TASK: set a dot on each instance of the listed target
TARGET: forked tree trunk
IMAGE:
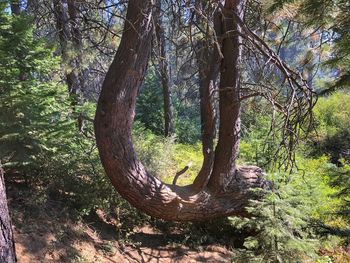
(113, 124)
(227, 149)
(208, 60)
(7, 245)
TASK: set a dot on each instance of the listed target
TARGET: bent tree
(224, 188)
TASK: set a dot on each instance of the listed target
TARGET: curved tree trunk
(113, 124)
(7, 245)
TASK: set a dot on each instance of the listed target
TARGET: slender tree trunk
(7, 245)
(64, 34)
(78, 72)
(77, 40)
(164, 75)
(113, 128)
(227, 149)
(67, 23)
(15, 7)
(61, 25)
(208, 60)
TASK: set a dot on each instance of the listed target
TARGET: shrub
(281, 222)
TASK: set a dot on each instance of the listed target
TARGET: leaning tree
(221, 187)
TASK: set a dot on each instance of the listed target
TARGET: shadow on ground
(45, 231)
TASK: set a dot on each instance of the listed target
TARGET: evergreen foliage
(149, 108)
(282, 222)
(150, 111)
(38, 129)
(29, 90)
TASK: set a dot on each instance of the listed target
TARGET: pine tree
(28, 89)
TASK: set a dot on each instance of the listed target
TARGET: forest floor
(43, 233)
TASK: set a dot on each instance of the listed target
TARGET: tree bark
(208, 60)
(164, 75)
(64, 35)
(70, 37)
(61, 25)
(15, 7)
(77, 40)
(31, 6)
(113, 126)
(7, 245)
(77, 75)
(227, 149)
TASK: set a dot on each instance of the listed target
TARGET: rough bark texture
(164, 75)
(208, 60)
(113, 124)
(7, 245)
(227, 149)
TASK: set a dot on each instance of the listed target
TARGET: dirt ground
(42, 234)
(88, 246)
(44, 231)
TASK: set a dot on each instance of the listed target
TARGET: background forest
(54, 56)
